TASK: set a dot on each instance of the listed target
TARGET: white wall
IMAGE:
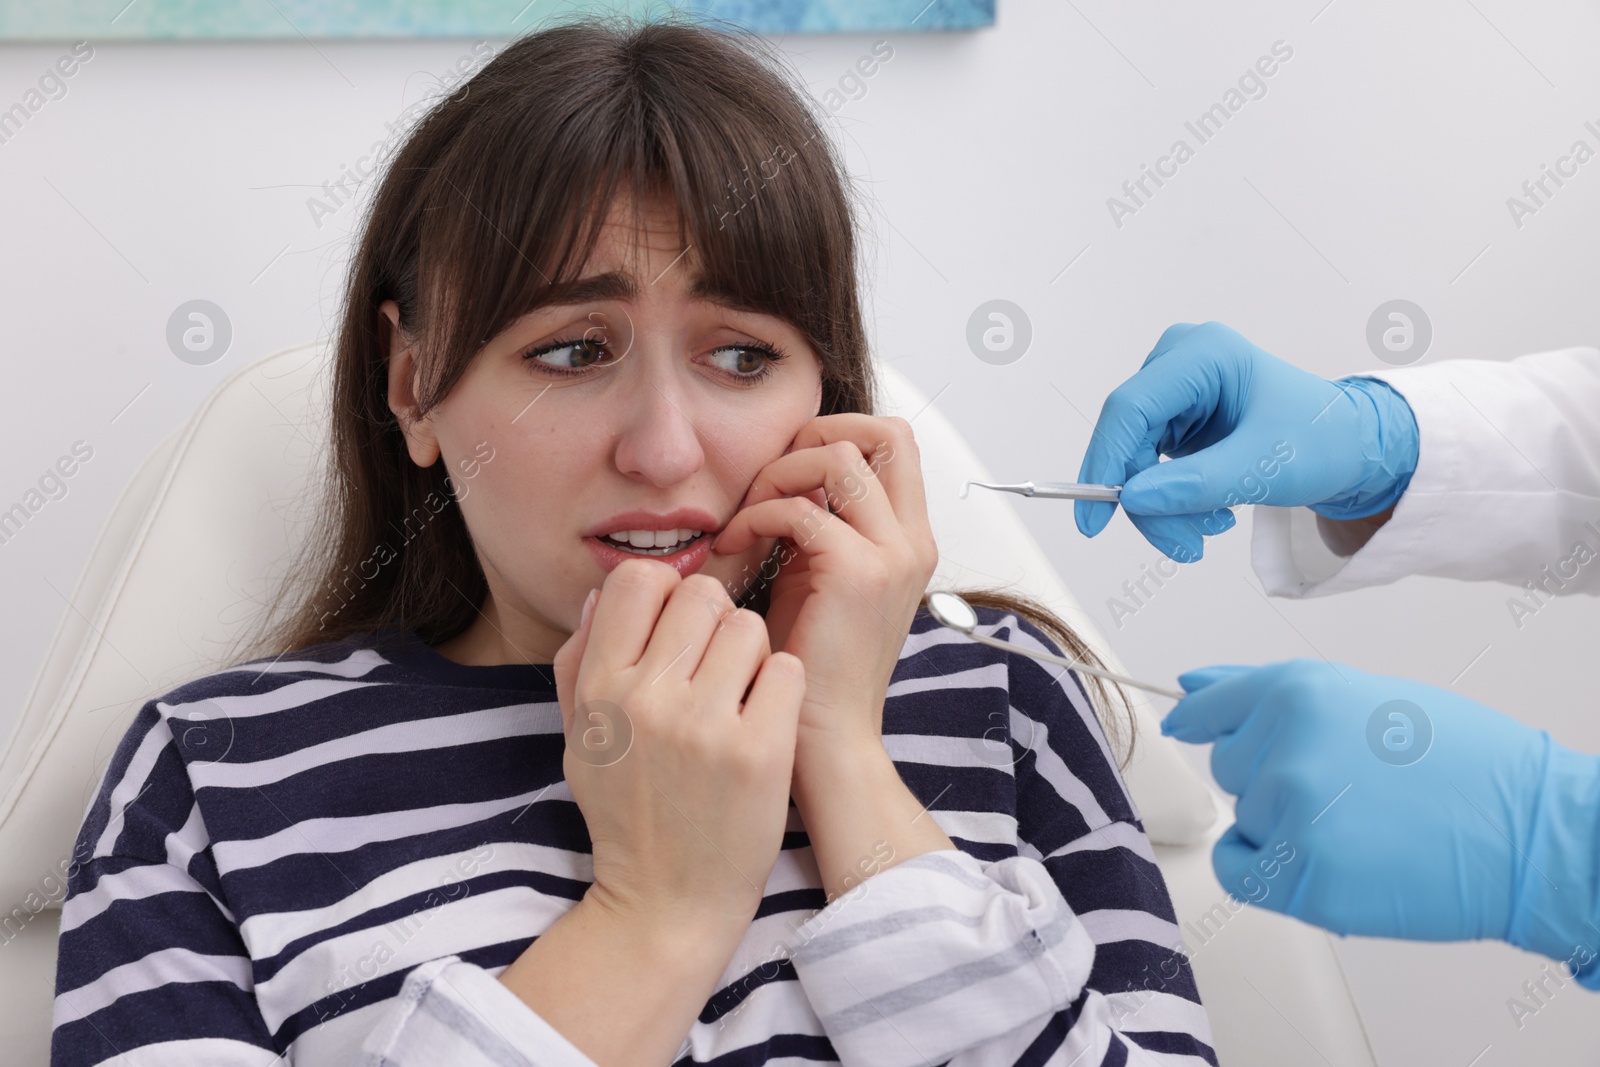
(1389, 144)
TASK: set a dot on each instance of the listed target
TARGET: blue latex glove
(1451, 822)
(1245, 427)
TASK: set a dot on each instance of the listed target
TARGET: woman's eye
(570, 355)
(745, 361)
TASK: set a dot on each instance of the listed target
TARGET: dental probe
(952, 611)
(1058, 490)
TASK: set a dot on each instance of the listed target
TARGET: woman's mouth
(652, 542)
(686, 550)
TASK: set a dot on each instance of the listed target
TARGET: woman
(602, 337)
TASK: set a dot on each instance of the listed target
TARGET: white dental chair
(215, 511)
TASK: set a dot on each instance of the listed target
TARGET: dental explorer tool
(1057, 490)
(952, 611)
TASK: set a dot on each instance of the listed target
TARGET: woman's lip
(676, 519)
(686, 560)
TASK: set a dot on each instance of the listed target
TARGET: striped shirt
(326, 860)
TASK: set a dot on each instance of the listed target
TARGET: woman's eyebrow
(612, 285)
(717, 293)
(621, 286)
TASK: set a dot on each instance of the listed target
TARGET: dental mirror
(952, 611)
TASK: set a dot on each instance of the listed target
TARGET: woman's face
(637, 403)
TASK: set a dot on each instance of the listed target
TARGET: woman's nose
(660, 438)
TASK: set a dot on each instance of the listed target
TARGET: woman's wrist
(624, 985)
(826, 766)
(859, 814)
(668, 930)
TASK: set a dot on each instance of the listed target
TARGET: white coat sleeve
(1507, 485)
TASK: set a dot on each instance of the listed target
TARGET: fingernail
(588, 607)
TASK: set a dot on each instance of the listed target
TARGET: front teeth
(652, 539)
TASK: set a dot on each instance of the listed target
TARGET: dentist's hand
(1245, 427)
(1403, 810)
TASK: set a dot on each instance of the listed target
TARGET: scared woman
(634, 744)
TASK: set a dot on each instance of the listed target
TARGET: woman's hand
(847, 589)
(684, 787)
(849, 583)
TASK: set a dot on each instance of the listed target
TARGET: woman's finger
(773, 711)
(738, 647)
(842, 473)
(810, 527)
(684, 628)
(890, 450)
(631, 599)
(569, 656)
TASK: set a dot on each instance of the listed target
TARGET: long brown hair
(495, 199)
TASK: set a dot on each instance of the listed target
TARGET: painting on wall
(96, 20)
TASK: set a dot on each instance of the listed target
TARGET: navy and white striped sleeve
(1059, 952)
(943, 957)
(152, 970)
(1076, 816)
(450, 1011)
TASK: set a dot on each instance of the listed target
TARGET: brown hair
(493, 203)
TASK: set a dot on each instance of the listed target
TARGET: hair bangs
(515, 205)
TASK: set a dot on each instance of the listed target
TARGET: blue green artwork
(95, 20)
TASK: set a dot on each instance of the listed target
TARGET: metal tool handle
(1080, 667)
(1057, 490)
(1078, 491)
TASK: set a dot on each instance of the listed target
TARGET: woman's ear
(403, 379)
